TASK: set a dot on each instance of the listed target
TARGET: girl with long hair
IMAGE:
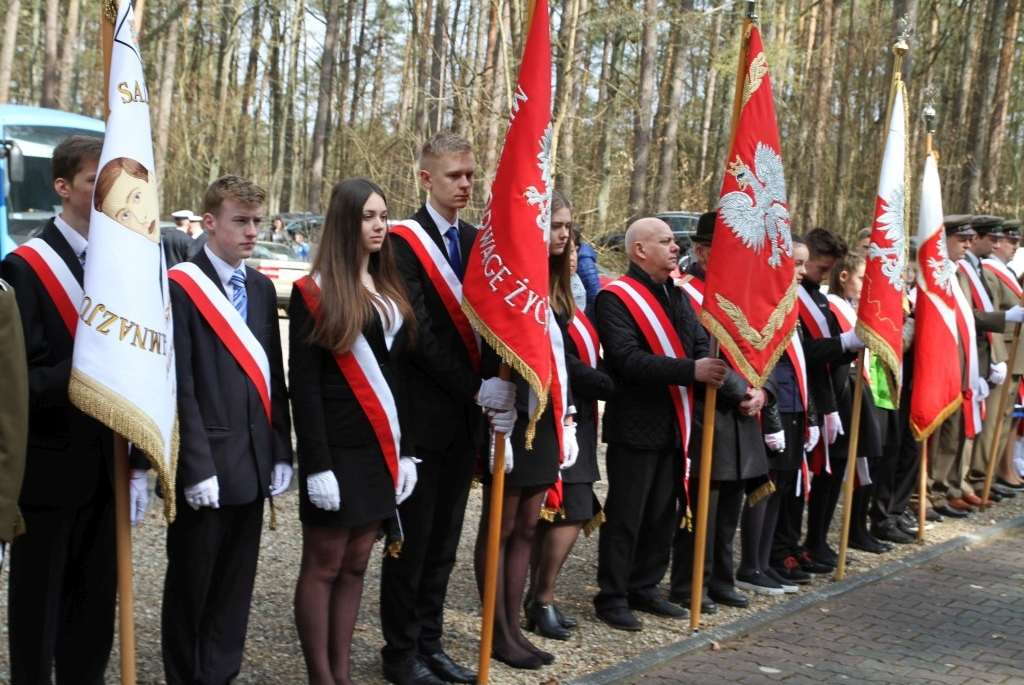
(350, 323)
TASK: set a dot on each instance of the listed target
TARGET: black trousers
(725, 502)
(413, 586)
(790, 516)
(211, 569)
(897, 475)
(633, 550)
(62, 591)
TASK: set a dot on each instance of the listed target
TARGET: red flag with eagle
(505, 288)
(937, 382)
(750, 291)
(880, 309)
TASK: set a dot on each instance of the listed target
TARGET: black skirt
(367, 489)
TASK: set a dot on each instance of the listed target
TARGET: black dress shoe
(527, 663)
(1002, 491)
(620, 617)
(1010, 486)
(545, 657)
(730, 598)
(444, 668)
(410, 671)
(566, 622)
(892, 533)
(811, 565)
(657, 606)
(706, 605)
(543, 620)
(950, 512)
(870, 545)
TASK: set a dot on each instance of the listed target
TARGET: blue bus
(27, 138)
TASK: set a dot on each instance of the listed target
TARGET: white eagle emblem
(942, 268)
(763, 217)
(892, 219)
(534, 196)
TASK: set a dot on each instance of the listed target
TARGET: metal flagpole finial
(904, 27)
(751, 12)
(931, 94)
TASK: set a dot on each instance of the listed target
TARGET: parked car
(683, 225)
(282, 266)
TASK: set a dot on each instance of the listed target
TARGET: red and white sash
(795, 352)
(974, 408)
(227, 325)
(55, 275)
(1003, 273)
(445, 281)
(584, 336)
(362, 373)
(847, 318)
(554, 499)
(979, 296)
(694, 289)
(661, 337)
(812, 316)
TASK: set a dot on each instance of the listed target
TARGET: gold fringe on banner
(763, 490)
(127, 420)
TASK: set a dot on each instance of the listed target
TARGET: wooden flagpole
(122, 514)
(711, 393)
(1004, 393)
(922, 465)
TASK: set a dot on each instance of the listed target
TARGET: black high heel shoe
(542, 619)
(528, 663)
(566, 622)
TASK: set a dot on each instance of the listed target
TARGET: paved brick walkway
(952, 619)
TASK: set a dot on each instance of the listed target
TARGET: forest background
(298, 94)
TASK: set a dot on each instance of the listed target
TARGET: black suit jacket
(327, 412)
(222, 424)
(176, 245)
(438, 373)
(69, 454)
(827, 362)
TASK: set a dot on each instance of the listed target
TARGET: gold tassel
(273, 515)
(763, 491)
(687, 522)
(394, 549)
(548, 514)
(594, 523)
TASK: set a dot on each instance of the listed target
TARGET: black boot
(543, 620)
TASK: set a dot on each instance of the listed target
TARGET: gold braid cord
(514, 361)
(126, 419)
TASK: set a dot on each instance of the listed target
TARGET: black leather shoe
(543, 620)
(410, 671)
(892, 533)
(870, 545)
(528, 663)
(621, 618)
(1002, 491)
(444, 668)
(706, 605)
(950, 512)
(1010, 486)
(811, 565)
(730, 598)
(657, 606)
(566, 622)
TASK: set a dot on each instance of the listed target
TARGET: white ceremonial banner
(123, 367)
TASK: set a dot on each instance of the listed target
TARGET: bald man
(644, 422)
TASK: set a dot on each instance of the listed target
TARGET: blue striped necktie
(239, 298)
(453, 250)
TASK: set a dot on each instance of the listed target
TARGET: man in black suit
(447, 426)
(643, 426)
(235, 439)
(176, 241)
(63, 574)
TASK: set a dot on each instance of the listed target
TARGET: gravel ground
(273, 654)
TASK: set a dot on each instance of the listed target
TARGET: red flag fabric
(750, 291)
(937, 383)
(505, 287)
(880, 309)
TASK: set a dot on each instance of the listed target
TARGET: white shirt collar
(439, 221)
(223, 269)
(75, 239)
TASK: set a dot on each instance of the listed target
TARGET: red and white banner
(880, 308)
(752, 317)
(937, 386)
(123, 366)
(505, 287)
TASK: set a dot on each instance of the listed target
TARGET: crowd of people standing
(396, 408)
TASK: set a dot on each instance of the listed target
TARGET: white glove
(833, 427)
(1015, 314)
(204, 494)
(997, 373)
(503, 421)
(497, 394)
(981, 390)
(407, 478)
(570, 448)
(776, 441)
(138, 495)
(851, 343)
(508, 454)
(813, 436)
(281, 478)
(323, 489)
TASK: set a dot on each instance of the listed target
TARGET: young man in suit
(443, 374)
(63, 574)
(235, 439)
